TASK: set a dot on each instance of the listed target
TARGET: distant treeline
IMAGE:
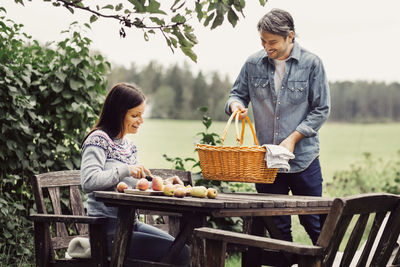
(175, 92)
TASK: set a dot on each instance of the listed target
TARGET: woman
(108, 157)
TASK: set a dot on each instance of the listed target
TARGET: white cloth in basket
(78, 247)
(278, 157)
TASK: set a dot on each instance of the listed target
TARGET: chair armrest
(67, 218)
(257, 241)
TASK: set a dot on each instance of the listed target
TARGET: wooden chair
(361, 207)
(51, 233)
(167, 221)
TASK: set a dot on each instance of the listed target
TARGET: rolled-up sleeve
(319, 100)
(93, 175)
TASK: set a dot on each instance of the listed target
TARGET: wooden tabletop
(225, 205)
(194, 211)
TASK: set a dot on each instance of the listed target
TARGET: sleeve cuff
(306, 130)
(123, 171)
(229, 102)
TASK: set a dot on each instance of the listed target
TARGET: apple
(157, 183)
(142, 184)
(121, 186)
(212, 192)
(198, 191)
(180, 192)
(169, 190)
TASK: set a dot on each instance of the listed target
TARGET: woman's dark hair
(277, 21)
(119, 100)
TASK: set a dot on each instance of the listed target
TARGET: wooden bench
(343, 210)
(50, 223)
(51, 233)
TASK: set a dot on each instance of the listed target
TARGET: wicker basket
(236, 163)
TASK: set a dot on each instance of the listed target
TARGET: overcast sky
(356, 39)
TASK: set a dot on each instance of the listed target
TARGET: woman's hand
(138, 171)
(173, 180)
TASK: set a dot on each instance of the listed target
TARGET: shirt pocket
(260, 87)
(297, 91)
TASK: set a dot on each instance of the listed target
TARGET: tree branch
(122, 19)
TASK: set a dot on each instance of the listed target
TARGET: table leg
(252, 257)
(188, 224)
(126, 218)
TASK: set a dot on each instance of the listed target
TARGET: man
(289, 92)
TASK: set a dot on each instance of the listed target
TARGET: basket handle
(235, 115)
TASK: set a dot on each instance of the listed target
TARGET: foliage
(362, 101)
(49, 98)
(368, 175)
(171, 19)
(175, 92)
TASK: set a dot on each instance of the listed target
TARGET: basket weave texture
(235, 163)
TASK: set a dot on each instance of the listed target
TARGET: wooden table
(194, 212)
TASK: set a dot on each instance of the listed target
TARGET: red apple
(121, 186)
(142, 184)
(157, 184)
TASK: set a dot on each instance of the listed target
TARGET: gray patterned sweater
(105, 163)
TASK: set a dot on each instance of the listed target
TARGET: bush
(49, 98)
(366, 176)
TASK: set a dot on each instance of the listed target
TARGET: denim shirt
(302, 103)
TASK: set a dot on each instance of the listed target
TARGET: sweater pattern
(117, 149)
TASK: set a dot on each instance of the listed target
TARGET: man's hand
(238, 106)
(290, 142)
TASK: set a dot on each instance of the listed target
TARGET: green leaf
(218, 20)
(199, 11)
(154, 7)
(68, 164)
(208, 19)
(262, 2)
(139, 7)
(93, 18)
(232, 17)
(119, 7)
(19, 206)
(61, 148)
(178, 18)
(74, 84)
(76, 61)
(6, 234)
(57, 87)
(158, 21)
(61, 76)
(108, 7)
(189, 52)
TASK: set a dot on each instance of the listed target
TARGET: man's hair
(277, 21)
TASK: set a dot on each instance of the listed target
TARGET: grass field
(341, 144)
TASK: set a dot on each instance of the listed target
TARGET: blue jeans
(307, 183)
(148, 243)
